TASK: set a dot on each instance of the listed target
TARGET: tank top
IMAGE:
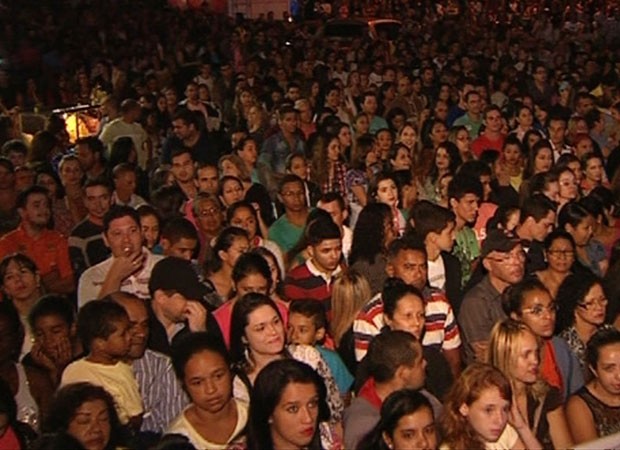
(606, 418)
(27, 408)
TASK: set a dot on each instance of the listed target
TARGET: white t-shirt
(437, 273)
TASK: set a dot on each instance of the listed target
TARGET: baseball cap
(499, 241)
(176, 274)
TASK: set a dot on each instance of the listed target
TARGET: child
(52, 321)
(307, 325)
(103, 329)
(435, 226)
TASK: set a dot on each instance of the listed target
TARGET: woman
(525, 122)
(256, 124)
(593, 171)
(258, 338)
(350, 293)
(579, 223)
(231, 243)
(406, 423)
(408, 135)
(70, 172)
(214, 420)
(446, 161)
(150, 224)
(594, 411)
(384, 140)
(511, 161)
(86, 413)
(209, 219)
(459, 136)
(531, 303)
(540, 159)
(61, 218)
(364, 166)
(385, 190)
(287, 406)
(560, 255)
(478, 410)
(244, 100)
(275, 292)
(328, 168)
(514, 350)
(230, 190)
(369, 256)
(21, 284)
(403, 309)
(250, 274)
(243, 215)
(581, 313)
(568, 187)
(400, 157)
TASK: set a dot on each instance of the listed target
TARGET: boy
(435, 226)
(103, 329)
(52, 321)
(307, 325)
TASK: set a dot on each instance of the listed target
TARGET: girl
(514, 349)
(477, 411)
(512, 161)
(594, 411)
(328, 168)
(593, 171)
(539, 160)
(150, 223)
(406, 423)
(214, 419)
(446, 161)
(400, 157)
(385, 190)
(568, 187)
(459, 136)
(408, 136)
(229, 245)
(287, 406)
(364, 166)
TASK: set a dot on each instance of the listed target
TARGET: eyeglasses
(519, 256)
(539, 310)
(600, 301)
(562, 253)
(208, 212)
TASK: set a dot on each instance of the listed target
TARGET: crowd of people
(266, 239)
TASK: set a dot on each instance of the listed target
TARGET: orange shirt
(49, 251)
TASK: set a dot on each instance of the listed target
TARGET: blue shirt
(341, 374)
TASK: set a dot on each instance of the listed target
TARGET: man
(125, 182)
(129, 268)
(179, 238)
(47, 248)
(314, 278)
(207, 178)
(211, 115)
(407, 261)
(394, 362)
(183, 171)
(187, 133)
(160, 390)
(403, 99)
(333, 203)
(472, 119)
(464, 194)
(492, 138)
(285, 142)
(557, 137)
(289, 227)
(369, 107)
(504, 260)
(536, 221)
(539, 88)
(307, 126)
(333, 101)
(86, 245)
(176, 304)
(89, 151)
(127, 125)
(463, 86)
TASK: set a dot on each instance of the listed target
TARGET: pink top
(223, 316)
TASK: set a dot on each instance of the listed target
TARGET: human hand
(128, 264)
(41, 358)
(515, 418)
(480, 350)
(196, 316)
(63, 353)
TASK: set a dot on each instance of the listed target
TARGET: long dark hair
(571, 293)
(396, 406)
(267, 393)
(369, 233)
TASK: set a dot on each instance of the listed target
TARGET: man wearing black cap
(177, 304)
(503, 258)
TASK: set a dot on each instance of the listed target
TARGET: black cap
(177, 274)
(499, 241)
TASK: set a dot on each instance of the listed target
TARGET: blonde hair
(475, 379)
(350, 293)
(504, 348)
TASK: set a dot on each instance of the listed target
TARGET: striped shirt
(441, 329)
(162, 395)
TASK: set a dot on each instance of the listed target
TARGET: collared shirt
(93, 278)
(49, 250)
(162, 395)
(307, 281)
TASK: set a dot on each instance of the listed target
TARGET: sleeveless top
(27, 408)
(606, 418)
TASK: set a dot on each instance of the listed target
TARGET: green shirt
(466, 250)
